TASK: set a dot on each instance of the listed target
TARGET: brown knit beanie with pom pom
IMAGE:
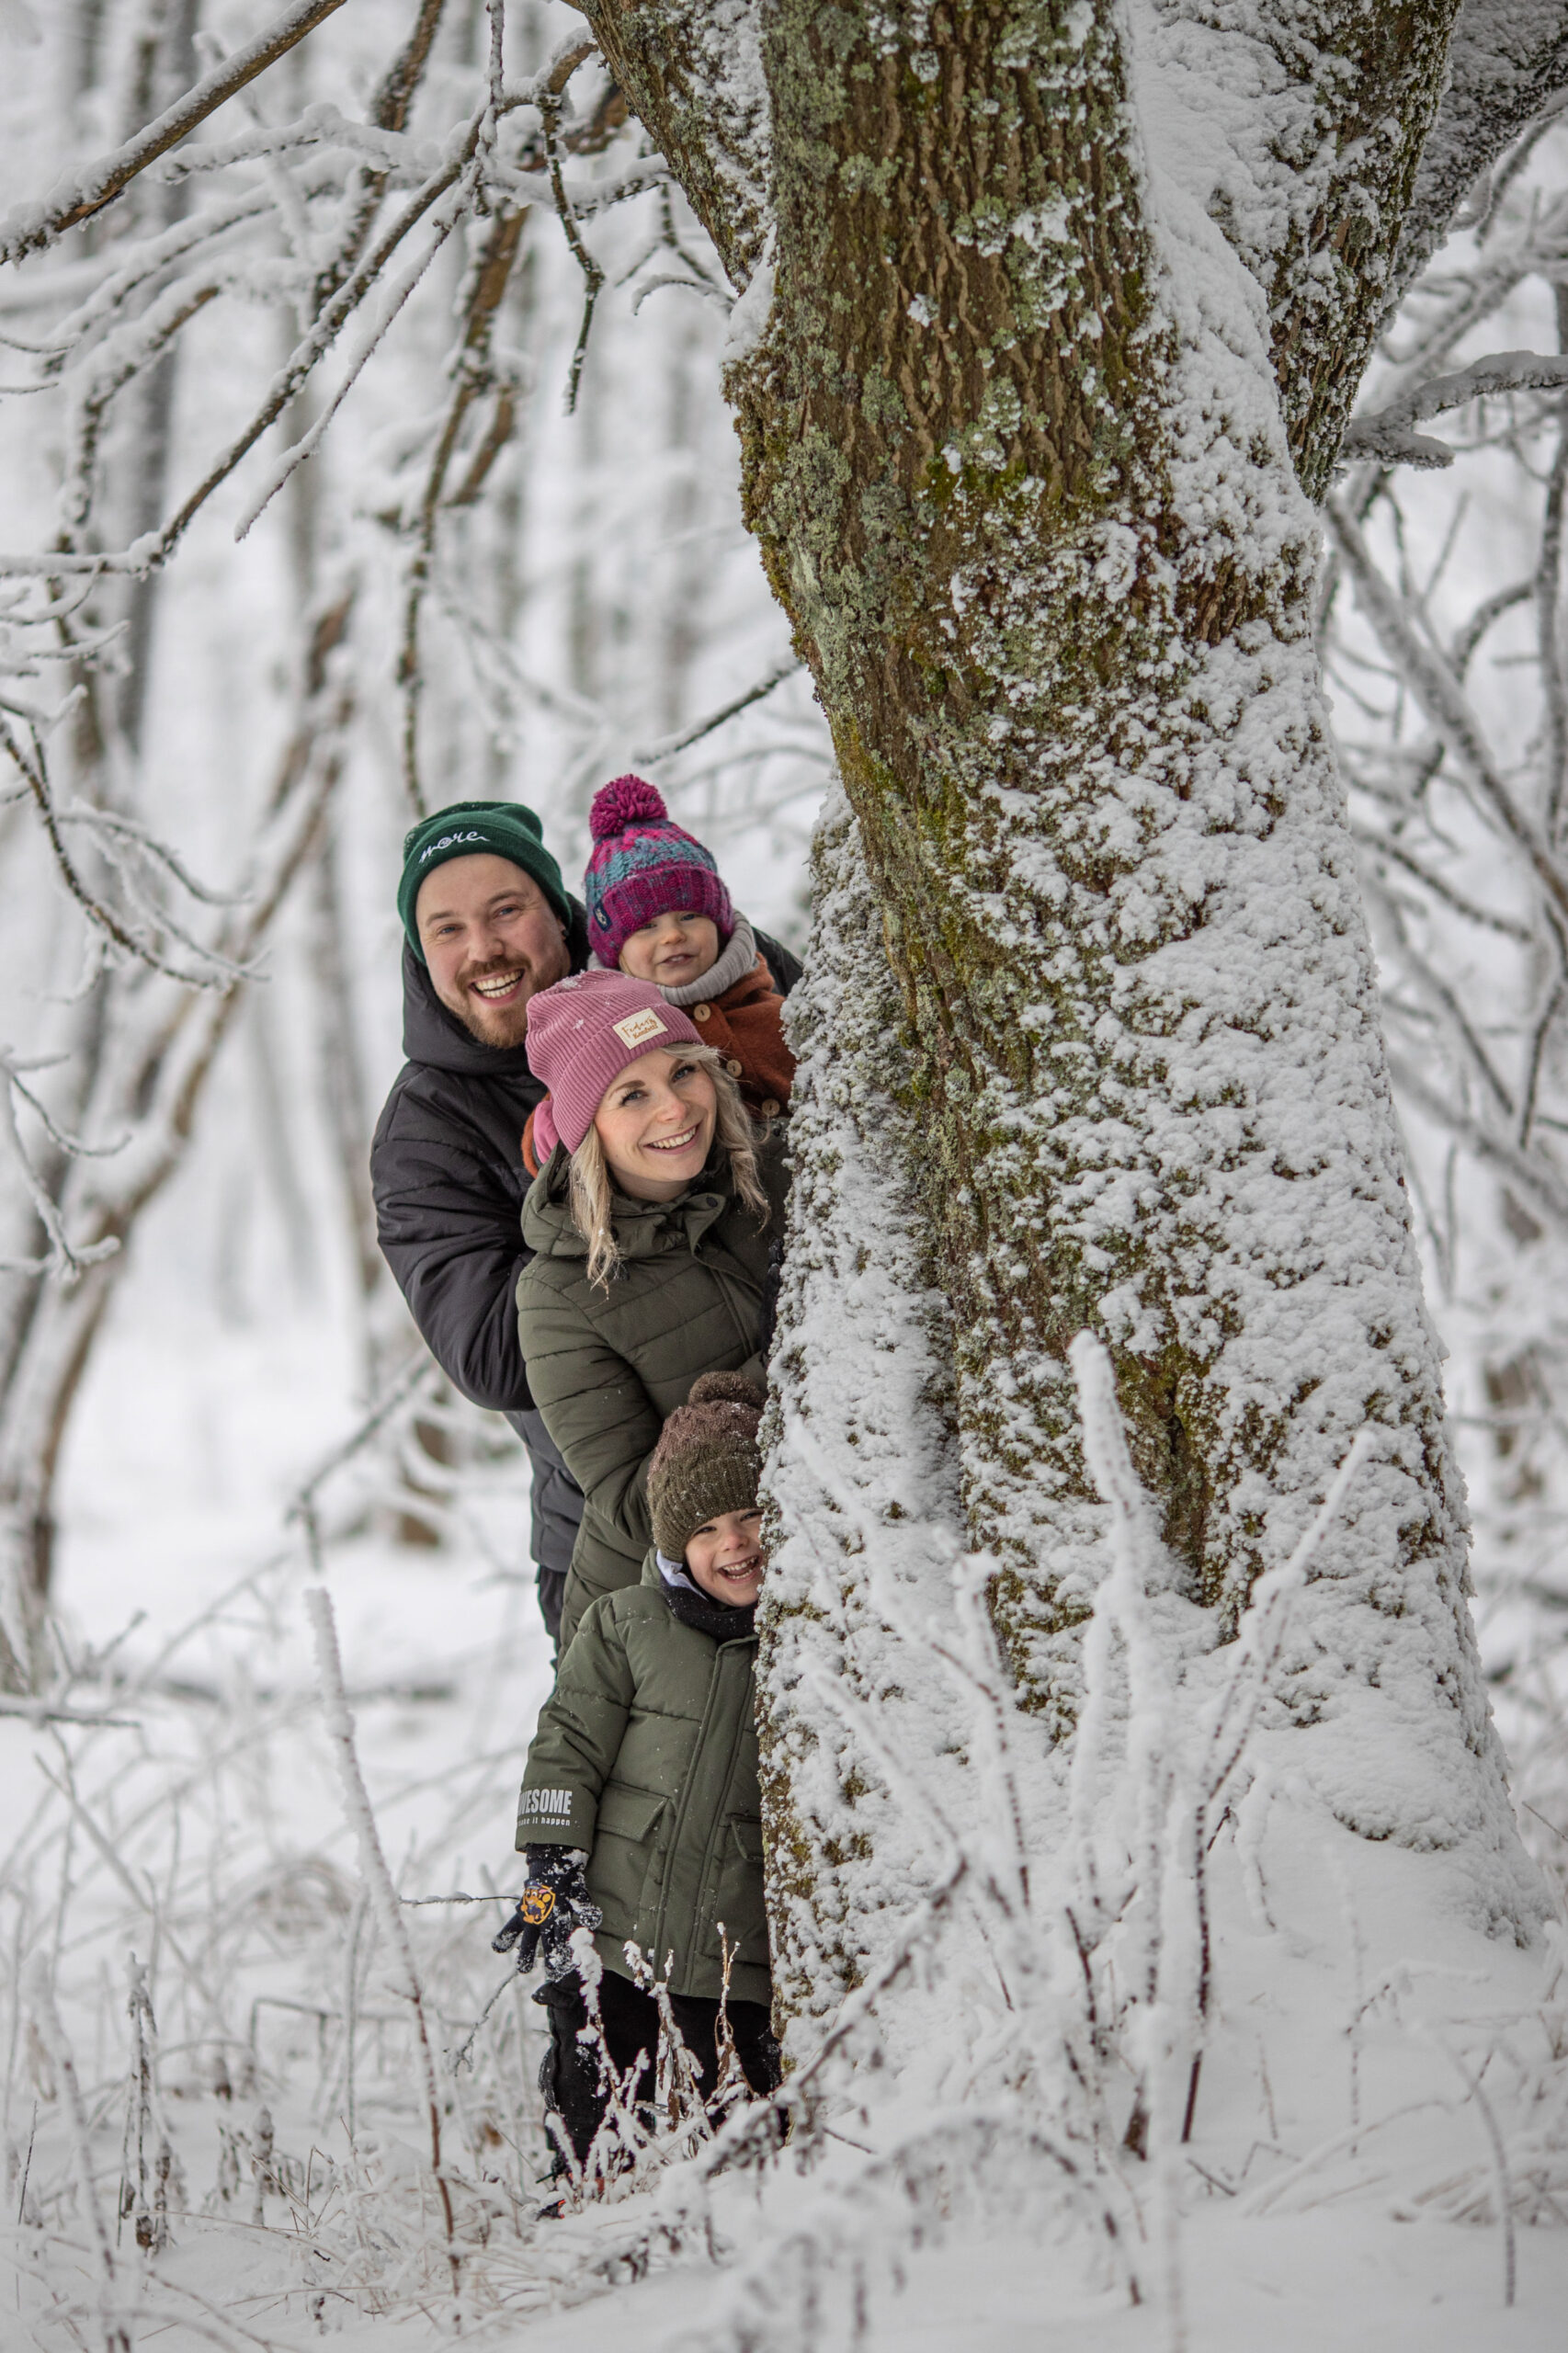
(707, 1461)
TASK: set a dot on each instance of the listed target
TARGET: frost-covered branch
(648, 755)
(63, 1260)
(128, 929)
(1445, 702)
(1385, 434)
(46, 2019)
(29, 228)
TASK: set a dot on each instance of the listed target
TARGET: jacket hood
(642, 1228)
(436, 1038)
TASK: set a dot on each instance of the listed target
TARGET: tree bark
(866, 1520)
(1507, 61)
(1058, 334)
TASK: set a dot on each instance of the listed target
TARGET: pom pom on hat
(627, 800)
(644, 865)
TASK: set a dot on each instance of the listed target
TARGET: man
(487, 923)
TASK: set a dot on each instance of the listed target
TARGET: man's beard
(498, 1025)
(504, 1025)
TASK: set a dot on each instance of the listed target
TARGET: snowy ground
(220, 1858)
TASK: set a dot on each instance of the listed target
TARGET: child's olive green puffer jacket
(646, 1755)
(606, 1365)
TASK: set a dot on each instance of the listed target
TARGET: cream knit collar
(733, 965)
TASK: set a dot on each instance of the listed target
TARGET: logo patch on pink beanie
(639, 1025)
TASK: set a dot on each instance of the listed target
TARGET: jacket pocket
(624, 1867)
(737, 1892)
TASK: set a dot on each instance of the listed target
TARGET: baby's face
(724, 1556)
(672, 950)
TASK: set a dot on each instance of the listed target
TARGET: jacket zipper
(681, 1811)
(726, 1292)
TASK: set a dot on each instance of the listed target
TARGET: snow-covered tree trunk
(1050, 347)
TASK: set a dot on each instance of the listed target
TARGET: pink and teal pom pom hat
(644, 865)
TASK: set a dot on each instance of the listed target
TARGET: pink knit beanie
(581, 1034)
(644, 865)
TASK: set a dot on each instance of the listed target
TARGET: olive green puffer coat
(606, 1365)
(646, 1755)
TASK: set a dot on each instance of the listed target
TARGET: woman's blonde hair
(590, 1188)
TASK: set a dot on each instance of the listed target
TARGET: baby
(658, 911)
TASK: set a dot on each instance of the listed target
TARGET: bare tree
(335, 221)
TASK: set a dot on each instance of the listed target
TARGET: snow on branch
(29, 228)
(1432, 683)
(66, 1260)
(1386, 435)
(463, 176)
(1507, 63)
(322, 125)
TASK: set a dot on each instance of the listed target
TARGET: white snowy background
(601, 603)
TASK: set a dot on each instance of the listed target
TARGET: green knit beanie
(707, 1461)
(470, 829)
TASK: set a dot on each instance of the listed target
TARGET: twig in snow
(1503, 2188)
(419, 1369)
(461, 2057)
(52, 2035)
(414, 1902)
(379, 1884)
(1259, 2200)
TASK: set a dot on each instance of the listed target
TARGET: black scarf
(720, 1619)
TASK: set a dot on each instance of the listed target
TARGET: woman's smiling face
(656, 1123)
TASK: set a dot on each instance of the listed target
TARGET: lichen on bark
(690, 71)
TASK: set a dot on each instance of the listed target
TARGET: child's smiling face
(672, 950)
(724, 1556)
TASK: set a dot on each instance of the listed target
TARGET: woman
(652, 1222)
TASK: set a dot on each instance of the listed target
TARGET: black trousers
(569, 2076)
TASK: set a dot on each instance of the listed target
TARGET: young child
(640, 1809)
(658, 911)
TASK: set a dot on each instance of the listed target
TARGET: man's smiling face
(490, 939)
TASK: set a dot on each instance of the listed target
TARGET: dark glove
(555, 1903)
